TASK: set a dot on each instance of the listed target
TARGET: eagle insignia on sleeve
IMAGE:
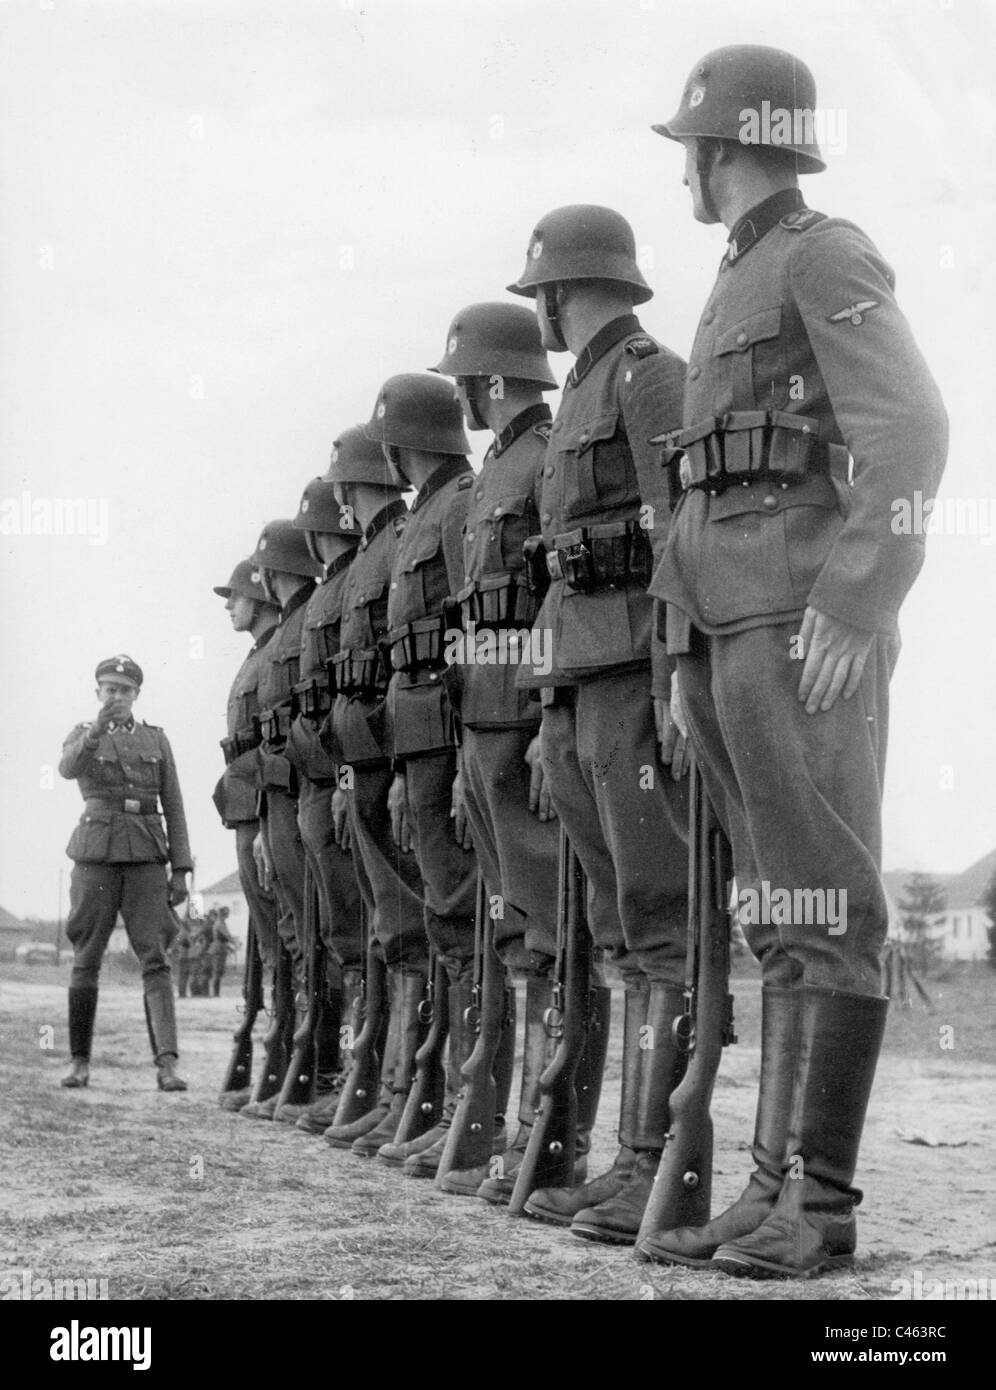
(854, 313)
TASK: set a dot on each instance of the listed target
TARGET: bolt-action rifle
(239, 1071)
(359, 1093)
(424, 1106)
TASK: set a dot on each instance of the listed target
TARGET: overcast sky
(225, 223)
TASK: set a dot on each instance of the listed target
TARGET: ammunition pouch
(274, 724)
(313, 698)
(746, 446)
(498, 601)
(242, 742)
(536, 572)
(417, 646)
(359, 672)
(607, 556)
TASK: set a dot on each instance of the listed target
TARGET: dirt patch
(168, 1197)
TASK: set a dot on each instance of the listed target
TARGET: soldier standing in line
(288, 575)
(222, 943)
(418, 422)
(125, 770)
(180, 958)
(600, 503)
(778, 555)
(237, 793)
(356, 735)
(501, 370)
(331, 536)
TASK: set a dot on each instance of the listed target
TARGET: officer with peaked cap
(602, 511)
(783, 576)
(126, 771)
(237, 794)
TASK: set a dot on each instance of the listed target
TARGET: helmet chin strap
(472, 386)
(553, 314)
(394, 458)
(703, 168)
(311, 543)
(264, 579)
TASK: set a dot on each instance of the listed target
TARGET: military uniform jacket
(319, 644)
(803, 319)
(237, 793)
(356, 731)
(428, 569)
(503, 512)
(278, 674)
(121, 779)
(624, 389)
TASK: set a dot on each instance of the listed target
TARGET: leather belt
(745, 446)
(133, 805)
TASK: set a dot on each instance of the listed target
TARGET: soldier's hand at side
(340, 820)
(835, 655)
(672, 732)
(458, 814)
(539, 793)
(397, 804)
(264, 870)
(177, 888)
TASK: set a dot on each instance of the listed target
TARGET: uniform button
(394, 585)
(548, 471)
(741, 339)
(556, 426)
(470, 535)
(497, 511)
(770, 502)
(546, 518)
(694, 374)
(583, 438)
(708, 316)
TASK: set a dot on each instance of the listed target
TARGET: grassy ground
(169, 1197)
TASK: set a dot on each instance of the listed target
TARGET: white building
(962, 929)
(227, 892)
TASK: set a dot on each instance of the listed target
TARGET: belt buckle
(131, 806)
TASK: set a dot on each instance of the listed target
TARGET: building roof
(231, 883)
(8, 922)
(960, 890)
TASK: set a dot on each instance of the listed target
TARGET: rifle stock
(359, 1094)
(470, 1140)
(549, 1160)
(239, 1070)
(682, 1189)
(424, 1105)
(275, 1049)
(299, 1078)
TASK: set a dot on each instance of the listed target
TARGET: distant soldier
(222, 945)
(180, 957)
(125, 770)
(200, 956)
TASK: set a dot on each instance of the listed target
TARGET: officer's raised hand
(177, 887)
(539, 793)
(397, 804)
(835, 655)
(115, 710)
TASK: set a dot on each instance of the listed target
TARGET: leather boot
(559, 1205)
(496, 1180)
(617, 1220)
(160, 1015)
(812, 1225)
(82, 1013)
(695, 1245)
(320, 1115)
(422, 1156)
(406, 996)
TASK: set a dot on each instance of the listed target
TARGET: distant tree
(989, 903)
(923, 899)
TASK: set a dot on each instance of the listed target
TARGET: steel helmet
(245, 582)
(356, 458)
(418, 410)
(496, 340)
(319, 511)
(738, 93)
(283, 549)
(582, 242)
